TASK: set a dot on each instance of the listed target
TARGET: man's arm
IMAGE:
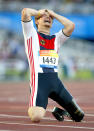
(68, 25)
(27, 13)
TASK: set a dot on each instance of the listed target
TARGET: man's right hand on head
(40, 13)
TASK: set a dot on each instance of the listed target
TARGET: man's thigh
(40, 97)
(60, 94)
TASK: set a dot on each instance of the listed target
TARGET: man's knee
(36, 113)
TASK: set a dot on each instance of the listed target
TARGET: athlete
(42, 53)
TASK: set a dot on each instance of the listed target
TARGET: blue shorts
(50, 86)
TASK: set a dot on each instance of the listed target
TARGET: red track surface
(14, 104)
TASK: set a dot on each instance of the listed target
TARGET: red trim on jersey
(46, 43)
(32, 70)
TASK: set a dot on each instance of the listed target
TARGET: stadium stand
(77, 52)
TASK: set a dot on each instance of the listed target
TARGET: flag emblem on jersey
(42, 42)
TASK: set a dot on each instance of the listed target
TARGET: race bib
(48, 58)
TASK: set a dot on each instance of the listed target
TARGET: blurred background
(76, 55)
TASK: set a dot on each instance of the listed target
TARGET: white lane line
(43, 125)
(13, 116)
(67, 120)
(86, 114)
(45, 118)
(91, 115)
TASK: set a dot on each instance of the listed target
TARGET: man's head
(44, 20)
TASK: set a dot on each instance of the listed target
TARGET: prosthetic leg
(72, 110)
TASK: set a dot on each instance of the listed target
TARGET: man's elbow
(72, 26)
(69, 29)
(24, 12)
(25, 15)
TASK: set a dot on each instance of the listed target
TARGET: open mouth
(47, 21)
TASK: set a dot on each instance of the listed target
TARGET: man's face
(45, 20)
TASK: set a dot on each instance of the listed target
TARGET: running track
(14, 98)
